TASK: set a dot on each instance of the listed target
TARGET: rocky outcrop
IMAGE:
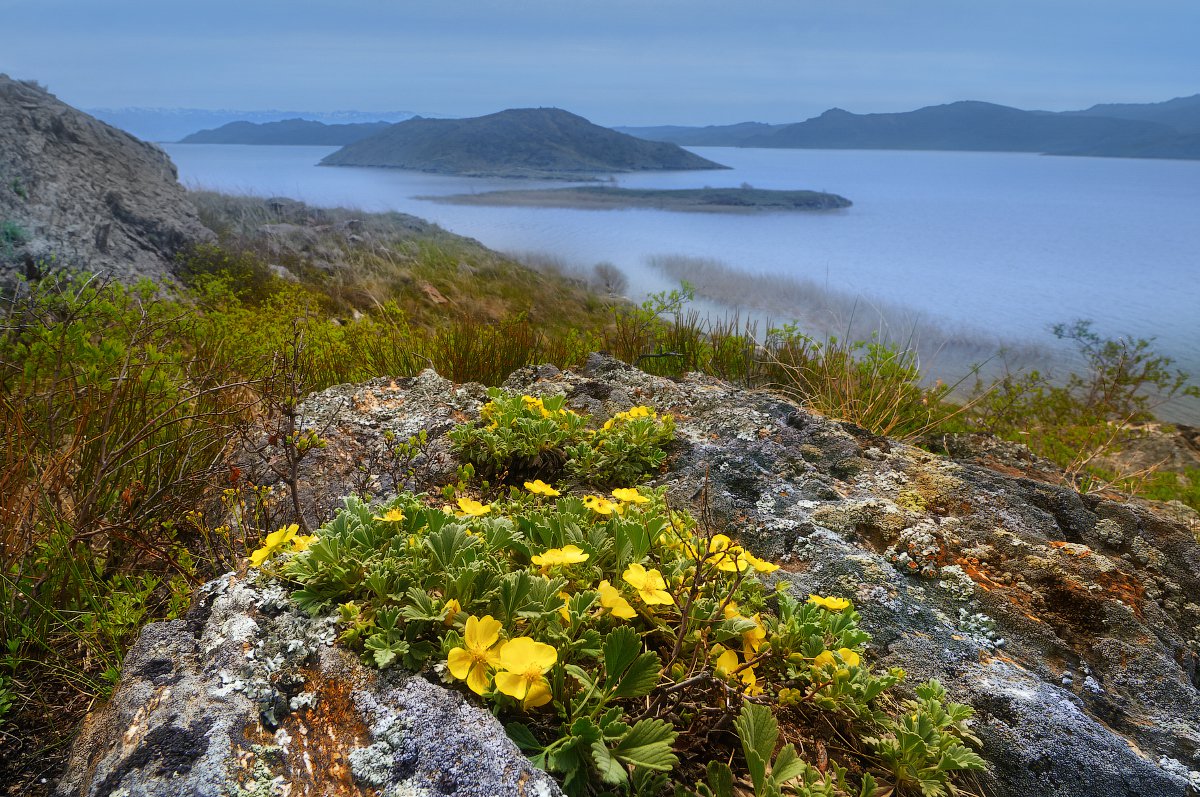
(249, 697)
(1069, 622)
(76, 193)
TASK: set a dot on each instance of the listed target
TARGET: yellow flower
(629, 495)
(649, 584)
(849, 657)
(532, 403)
(391, 516)
(639, 412)
(274, 541)
(759, 564)
(566, 555)
(599, 505)
(302, 542)
(831, 604)
(824, 659)
(523, 665)
(452, 608)
(471, 508)
(751, 640)
(539, 487)
(611, 599)
(564, 611)
(727, 662)
(472, 663)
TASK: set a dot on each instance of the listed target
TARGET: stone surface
(1069, 622)
(76, 193)
(248, 697)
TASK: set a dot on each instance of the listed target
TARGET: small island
(688, 200)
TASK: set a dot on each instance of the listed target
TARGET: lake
(993, 245)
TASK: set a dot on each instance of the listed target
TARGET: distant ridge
(286, 132)
(1154, 130)
(172, 124)
(524, 142)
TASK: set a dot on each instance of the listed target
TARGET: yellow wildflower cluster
(629, 415)
(517, 667)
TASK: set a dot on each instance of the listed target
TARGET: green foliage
(1184, 487)
(523, 437)
(601, 630)
(874, 384)
(12, 235)
(925, 743)
(1090, 414)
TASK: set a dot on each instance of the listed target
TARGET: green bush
(524, 437)
(613, 635)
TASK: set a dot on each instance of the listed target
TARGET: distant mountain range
(287, 132)
(524, 142)
(172, 124)
(1156, 130)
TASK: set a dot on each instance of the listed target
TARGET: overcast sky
(614, 61)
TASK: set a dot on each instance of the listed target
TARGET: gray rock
(249, 697)
(76, 193)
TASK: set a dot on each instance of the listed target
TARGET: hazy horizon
(617, 63)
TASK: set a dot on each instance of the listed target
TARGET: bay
(994, 245)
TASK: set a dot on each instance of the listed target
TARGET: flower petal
(512, 684)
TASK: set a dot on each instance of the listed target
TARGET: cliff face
(76, 193)
(1069, 622)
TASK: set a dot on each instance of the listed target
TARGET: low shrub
(618, 637)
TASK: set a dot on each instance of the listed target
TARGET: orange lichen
(315, 762)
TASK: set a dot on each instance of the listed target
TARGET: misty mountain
(1154, 130)
(1181, 113)
(172, 124)
(711, 136)
(525, 142)
(288, 131)
(961, 126)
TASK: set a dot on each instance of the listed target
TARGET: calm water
(999, 243)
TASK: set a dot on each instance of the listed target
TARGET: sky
(635, 62)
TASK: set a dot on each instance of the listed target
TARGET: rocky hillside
(1068, 622)
(76, 193)
(525, 142)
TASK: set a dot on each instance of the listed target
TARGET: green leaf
(720, 779)
(523, 737)
(629, 672)
(608, 767)
(787, 766)
(758, 731)
(648, 745)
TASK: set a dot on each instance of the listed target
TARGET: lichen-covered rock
(77, 193)
(1069, 622)
(248, 697)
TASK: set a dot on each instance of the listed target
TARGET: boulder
(247, 696)
(76, 193)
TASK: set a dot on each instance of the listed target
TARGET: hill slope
(76, 193)
(286, 132)
(526, 142)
